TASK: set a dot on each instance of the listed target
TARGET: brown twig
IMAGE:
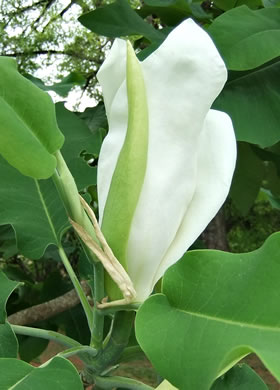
(48, 309)
(215, 236)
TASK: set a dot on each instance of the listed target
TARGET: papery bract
(189, 161)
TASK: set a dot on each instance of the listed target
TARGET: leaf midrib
(45, 208)
(20, 381)
(227, 321)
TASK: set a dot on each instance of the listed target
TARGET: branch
(46, 52)
(60, 15)
(20, 11)
(215, 236)
(48, 309)
(48, 4)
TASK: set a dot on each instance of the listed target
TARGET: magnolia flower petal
(111, 76)
(216, 163)
(127, 180)
(183, 77)
(112, 72)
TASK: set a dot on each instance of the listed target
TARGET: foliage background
(48, 41)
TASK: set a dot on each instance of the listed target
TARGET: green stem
(45, 334)
(84, 349)
(69, 194)
(112, 382)
(114, 309)
(86, 306)
(112, 351)
(98, 317)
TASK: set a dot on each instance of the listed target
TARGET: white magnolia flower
(162, 181)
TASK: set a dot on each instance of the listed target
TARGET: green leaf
(274, 200)
(171, 12)
(63, 87)
(28, 131)
(8, 345)
(31, 347)
(217, 308)
(33, 207)
(8, 245)
(95, 118)
(240, 377)
(271, 3)
(119, 19)
(226, 5)
(252, 99)
(247, 179)
(56, 374)
(247, 39)
(78, 138)
(165, 386)
(74, 324)
(6, 288)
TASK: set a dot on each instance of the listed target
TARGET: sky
(68, 24)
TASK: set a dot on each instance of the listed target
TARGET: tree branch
(48, 309)
(46, 52)
(215, 236)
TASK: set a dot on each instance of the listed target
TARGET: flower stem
(69, 194)
(98, 317)
(109, 355)
(85, 304)
(84, 349)
(45, 334)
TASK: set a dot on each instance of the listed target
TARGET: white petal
(112, 73)
(183, 77)
(216, 163)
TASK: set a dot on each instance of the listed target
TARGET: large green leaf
(28, 130)
(63, 87)
(252, 99)
(229, 4)
(240, 377)
(8, 245)
(171, 12)
(33, 207)
(95, 118)
(57, 374)
(247, 178)
(78, 138)
(271, 3)
(6, 288)
(119, 19)
(8, 344)
(247, 39)
(217, 307)
(165, 385)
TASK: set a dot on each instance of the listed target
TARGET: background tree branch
(49, 309)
